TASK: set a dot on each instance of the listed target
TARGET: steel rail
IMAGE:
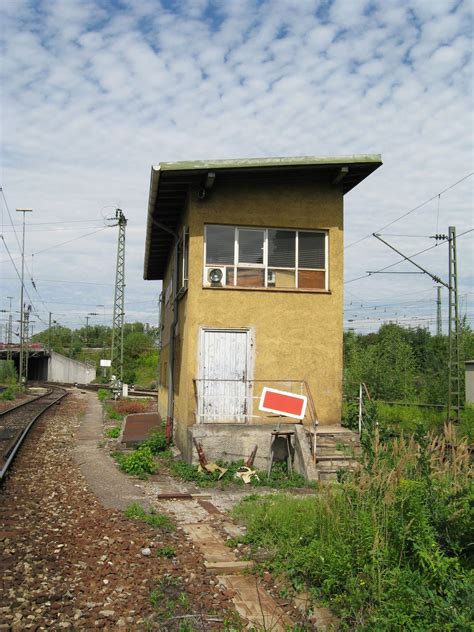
(20, 438)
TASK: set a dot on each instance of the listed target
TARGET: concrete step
(344, 450)
(337, 464)
(330, 473)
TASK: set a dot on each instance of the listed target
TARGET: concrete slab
(138, 427)
(102, 475)
(254, 604)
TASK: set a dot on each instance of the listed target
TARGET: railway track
(15, 423)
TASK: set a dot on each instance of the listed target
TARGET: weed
(103, 394)
(136, 512)
(156, 442)
(166, 551)
(113, 433)
(388, 548)
(114, 414)
(140, 462)
(278, 479)
(168, 597)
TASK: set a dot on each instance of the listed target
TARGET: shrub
(156, 442)
(140, 462)
(8, 373)
(9, 393)
(128, 407)
(113, 433)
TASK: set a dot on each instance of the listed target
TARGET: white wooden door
(223, 376)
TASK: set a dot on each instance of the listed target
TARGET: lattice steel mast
(116, 355)
(454, 382)
(439, 322)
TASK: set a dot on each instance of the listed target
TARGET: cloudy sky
(95, 92)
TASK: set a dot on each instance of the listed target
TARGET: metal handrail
(304, 387)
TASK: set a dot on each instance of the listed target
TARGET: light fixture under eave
(341, 175)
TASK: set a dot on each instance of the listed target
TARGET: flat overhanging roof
(170, 183)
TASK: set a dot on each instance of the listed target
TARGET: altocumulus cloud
(96, 92)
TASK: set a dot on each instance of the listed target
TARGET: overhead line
(24, 287)
(412, 210)
(69, 241)
(364, 276)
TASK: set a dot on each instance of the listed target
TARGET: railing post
(360, 408)
(315, 431)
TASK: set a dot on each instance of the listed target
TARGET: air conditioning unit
(214, 276)
(271, 277)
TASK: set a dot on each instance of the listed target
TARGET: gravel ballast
(68, 562)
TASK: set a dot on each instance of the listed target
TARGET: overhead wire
(412, 210)
(391, 265)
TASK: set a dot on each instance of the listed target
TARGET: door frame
(250, 366)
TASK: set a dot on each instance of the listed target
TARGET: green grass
(388, 549)
(113, 433)
(136, 512)
(279, 478)
(394, 419)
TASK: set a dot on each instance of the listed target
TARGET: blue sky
(95, 92)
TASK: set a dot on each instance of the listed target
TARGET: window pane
(311, 250)
(251, 245)
(250, 277)
(312, 279)
(229, 276)
(281, 278)
(281, 248)
(220, 244)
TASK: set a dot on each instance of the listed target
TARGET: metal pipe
(174, 324)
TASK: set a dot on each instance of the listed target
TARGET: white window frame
(265, 265)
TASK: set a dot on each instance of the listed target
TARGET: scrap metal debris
(246, 474)
(210, 468)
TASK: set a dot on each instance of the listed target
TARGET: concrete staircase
(336, 449)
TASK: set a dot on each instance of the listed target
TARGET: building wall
(297, 335)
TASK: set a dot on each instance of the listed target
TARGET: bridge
(45, 365)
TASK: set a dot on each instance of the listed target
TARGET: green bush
(140, 462)
(9, 393)
(8, 374)
(156, 442)
(113, 433)
(390, 548)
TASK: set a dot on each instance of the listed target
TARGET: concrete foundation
(234, 442)
(336, 448)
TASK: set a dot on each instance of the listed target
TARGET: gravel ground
(69, 563)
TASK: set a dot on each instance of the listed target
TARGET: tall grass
(388, 549)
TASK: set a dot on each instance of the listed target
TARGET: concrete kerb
(113, 488)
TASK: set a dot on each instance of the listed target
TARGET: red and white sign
(283, 403)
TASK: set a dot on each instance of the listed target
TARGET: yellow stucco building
(250, 253)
